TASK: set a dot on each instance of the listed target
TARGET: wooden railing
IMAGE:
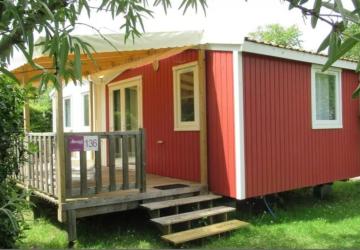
(115, 162)
(38, 172)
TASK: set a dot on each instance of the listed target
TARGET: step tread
(198, 214)
(202, 232)
(180, 201)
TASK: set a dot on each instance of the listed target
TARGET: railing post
(143, 161)
(125, 162)
(68, 167)
(98, 174)
(112, 173)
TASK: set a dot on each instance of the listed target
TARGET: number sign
(91, 143)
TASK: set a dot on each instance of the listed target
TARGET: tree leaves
(279, 35)
(315, 13)
(339, 42)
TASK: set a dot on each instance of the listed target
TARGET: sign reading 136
(91, 143)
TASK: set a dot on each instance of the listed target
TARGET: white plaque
(91, 143)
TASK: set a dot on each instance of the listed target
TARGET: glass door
(125, 110)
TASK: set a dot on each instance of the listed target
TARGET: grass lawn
(302, 222)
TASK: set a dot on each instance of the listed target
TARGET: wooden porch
(113, 178)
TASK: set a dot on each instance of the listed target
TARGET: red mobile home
(275, 122)
(240, 119)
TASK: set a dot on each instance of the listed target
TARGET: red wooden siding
(178, 156)
(282, 151)
(220, 122)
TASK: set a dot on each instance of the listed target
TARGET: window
(186, 97)
(67, 112)
(86, 109)
(326, 98)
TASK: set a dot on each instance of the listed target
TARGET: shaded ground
(301, 222)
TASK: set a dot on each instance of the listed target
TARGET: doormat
(171, 186)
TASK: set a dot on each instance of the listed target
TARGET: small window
(326, 98)
(86, 109)
(67, 112)
(186, 97)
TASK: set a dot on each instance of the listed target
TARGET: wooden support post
(60, 154)
(71, 227)
(203, 122)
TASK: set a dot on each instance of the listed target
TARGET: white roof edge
(302, 56)
(223, 46)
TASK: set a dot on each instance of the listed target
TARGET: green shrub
(12, 154)
(41, 112)
(12, 203)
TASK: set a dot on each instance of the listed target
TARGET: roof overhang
(293, 54)
(114, 54)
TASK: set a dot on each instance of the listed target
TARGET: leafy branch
(337, 42)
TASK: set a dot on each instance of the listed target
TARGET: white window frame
(178, 124)
(83, 108)
(327, 124)
(64, 108)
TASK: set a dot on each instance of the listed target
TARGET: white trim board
(269, 50)
(222, 47)
(239, 125)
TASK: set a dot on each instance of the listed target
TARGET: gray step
(189, 216)
(178, 202)
(202, 232)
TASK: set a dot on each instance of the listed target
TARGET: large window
(67, 112)
(326, 98)
(86, 109)
(186, 97)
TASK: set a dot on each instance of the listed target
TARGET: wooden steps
(172, 215)
(189, 216)
(206, 231)
(179, 202)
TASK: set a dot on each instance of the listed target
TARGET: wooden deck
(98, 182)
(132, 197)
